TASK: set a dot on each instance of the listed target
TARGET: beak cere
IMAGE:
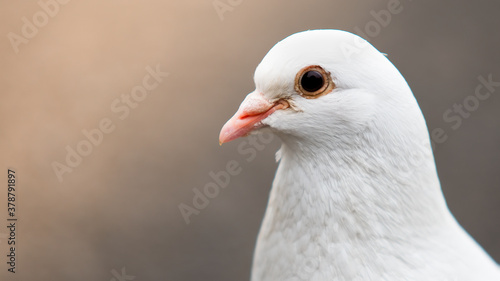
(252, 111)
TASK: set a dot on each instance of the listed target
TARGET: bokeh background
(119, 207)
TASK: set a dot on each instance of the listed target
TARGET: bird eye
(313, 81)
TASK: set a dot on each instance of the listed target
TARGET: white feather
(356, 195)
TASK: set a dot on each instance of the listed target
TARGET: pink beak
(252, 111)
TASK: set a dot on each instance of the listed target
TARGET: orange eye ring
(313, 81)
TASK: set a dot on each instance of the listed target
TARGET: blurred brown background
(119, 207)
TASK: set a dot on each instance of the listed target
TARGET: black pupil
(312, 81)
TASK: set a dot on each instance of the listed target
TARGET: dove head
(321, 87)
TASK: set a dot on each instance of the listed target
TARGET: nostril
(284, 103)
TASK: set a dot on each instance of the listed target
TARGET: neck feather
(383, 191)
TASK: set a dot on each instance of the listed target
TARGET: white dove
(356, 195)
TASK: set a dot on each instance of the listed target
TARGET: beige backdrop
(65, 66)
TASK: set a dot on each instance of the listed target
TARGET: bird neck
(357, 193)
